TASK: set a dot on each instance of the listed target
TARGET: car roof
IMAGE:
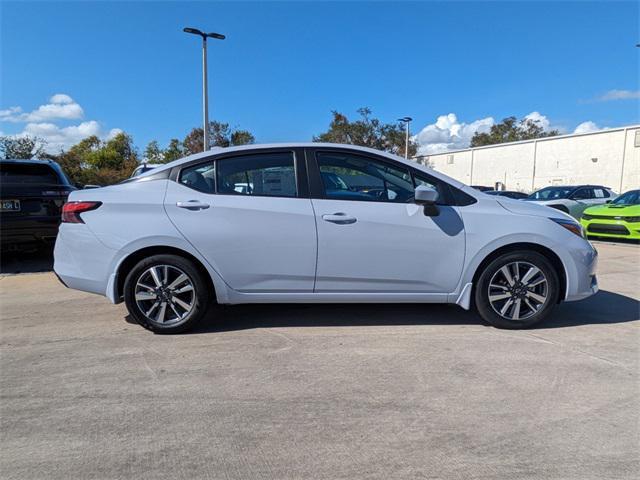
(31, 161)
(257, 146)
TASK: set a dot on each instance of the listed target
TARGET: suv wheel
(517, 290)
(166, 294)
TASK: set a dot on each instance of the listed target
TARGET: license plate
(9, 205)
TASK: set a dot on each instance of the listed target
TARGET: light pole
(406, 121)
(205, 94)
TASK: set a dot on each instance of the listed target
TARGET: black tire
(199, 299)
(552, 290)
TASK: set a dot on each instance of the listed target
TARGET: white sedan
(316, 223)
(572, 200)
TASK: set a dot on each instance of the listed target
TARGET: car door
(250, 216)
(583, 198)
(371, 236)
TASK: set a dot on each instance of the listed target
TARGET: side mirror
(427, 197)
(608, 201)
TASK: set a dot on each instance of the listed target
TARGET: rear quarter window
(12, 173)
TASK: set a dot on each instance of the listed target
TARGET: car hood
(534, 208)
(614, 210)
(545, 202)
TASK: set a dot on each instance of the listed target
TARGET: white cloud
(113, 132)
(61, 98)
(541, 120)
(619, 95)
(60, 106)
(43, 123)
(447, 133)
(586, 127)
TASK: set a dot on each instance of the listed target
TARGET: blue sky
(286, 65)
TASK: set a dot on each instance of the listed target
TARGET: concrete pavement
(331, 391)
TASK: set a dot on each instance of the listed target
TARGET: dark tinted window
(583, 194)
(629, 198)
(354, 177)
(28, 173)
(551, 193)
(200, 177)
(263, 174)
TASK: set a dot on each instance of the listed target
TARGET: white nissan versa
(318, 223)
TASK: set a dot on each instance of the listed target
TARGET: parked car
(181, 237)
(508, 193)
(572, 200)
(143, 168)
(619, 218)
(482, 188)
(32, 193)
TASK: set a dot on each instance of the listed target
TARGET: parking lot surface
(321, 391)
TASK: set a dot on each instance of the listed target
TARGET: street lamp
(205, 95)
(406, 121)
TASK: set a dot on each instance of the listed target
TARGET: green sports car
(619, 218)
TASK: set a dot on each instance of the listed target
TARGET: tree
(93, 161)
(511, 130)
(367, 132)
(220, 135)
(153, 153)
(22, 148)
(174, 151)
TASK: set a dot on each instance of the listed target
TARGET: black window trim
(299, 169)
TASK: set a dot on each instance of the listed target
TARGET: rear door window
(200, 177)
(260, 174)
(24, 173)
(583, 194)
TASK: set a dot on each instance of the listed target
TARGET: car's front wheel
(166, 294)
(517, 289)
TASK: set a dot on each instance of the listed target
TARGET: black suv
(32, 193)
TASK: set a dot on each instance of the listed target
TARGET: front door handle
(193, 205)
(339, 218)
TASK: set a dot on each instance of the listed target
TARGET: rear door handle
(339, 218)
(193, 205)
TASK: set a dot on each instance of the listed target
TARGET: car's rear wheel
(166, 294)
(517, 290)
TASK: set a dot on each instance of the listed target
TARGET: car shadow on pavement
(40, 260)
(605, 307)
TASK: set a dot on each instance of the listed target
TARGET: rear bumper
(81, 261)
(17, 232)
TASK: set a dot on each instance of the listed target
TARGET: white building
(606, 157)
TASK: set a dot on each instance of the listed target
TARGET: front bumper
(611, 228)
(582, 281)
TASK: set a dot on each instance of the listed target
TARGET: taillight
(71, 211)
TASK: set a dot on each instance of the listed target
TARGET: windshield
(551, 193)
(628, 198)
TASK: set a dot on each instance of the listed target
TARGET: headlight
(570, 225)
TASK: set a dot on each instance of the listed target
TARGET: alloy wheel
(518, 290)
(165, 294)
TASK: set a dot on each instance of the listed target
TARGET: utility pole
(205, 93)
(406, 121)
